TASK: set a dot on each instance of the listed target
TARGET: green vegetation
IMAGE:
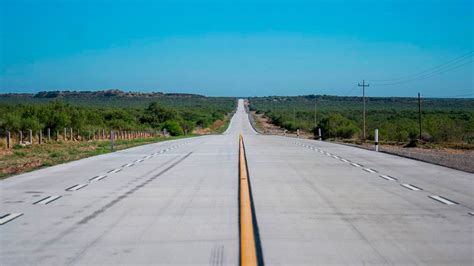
(26, 158)
(87, 112)
(443, 120)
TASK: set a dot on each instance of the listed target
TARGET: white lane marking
(128, 165)
(442, 200)
(344, 160)
(356, 165)
(471, 213)
(335, 157)
(8, 217)
(411, 187)
(139, 161)
(76, 187)
(97, 178)
(148, 157)
(47, 200)
(389, 178)
(113, 171)
(369, 170)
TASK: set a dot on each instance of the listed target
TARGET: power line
(449, 96)
(428, 75)
(439, 67)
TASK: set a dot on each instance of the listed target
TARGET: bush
(289, 126)
(173, 128)
(336, 126)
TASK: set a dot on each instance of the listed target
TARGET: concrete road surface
(176, 203)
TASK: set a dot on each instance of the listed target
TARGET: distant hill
(105, 98)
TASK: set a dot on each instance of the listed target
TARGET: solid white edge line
(442, 200)
(9, 217)
(410, 187)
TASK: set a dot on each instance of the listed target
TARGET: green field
(443, 120)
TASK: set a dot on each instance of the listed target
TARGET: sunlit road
(177, 203)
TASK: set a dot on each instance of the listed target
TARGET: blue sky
(237, 48)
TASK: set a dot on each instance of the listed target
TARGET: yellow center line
(248, 253)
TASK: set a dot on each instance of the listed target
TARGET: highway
(181, 203)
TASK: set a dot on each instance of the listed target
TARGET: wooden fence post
(72, 136)
(49, 134)
(21, 136)
(31, 137)
(8, 139)
(64, 135)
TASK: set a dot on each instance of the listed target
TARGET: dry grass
(21, 159)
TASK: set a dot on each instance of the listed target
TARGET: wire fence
(30, 137)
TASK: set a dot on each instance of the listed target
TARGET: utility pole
(315, 117)
(363, 85)
(294, 116)
(419, 112)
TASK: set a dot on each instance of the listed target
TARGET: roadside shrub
(289, 126)
(173, 128)
(336, 126)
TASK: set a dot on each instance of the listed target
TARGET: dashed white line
(47, 200)
(369, 170)
(411, 187)
(113, 171)
(387, 177)
(8, 217)
(344, 160)
(97, 178)
(442, 200)
(76, 187)
(356, 165)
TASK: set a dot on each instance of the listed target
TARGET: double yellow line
(248, 252)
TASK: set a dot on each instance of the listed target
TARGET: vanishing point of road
(239, 198)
